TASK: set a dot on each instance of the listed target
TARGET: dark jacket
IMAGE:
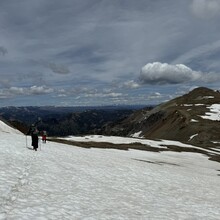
(34, 136)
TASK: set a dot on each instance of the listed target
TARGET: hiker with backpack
(33, 131)
(44, 136)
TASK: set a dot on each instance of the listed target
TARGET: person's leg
(35, 142)
(32, 140)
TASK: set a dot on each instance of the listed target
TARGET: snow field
(67, 182)
(214, 113)
(128, 140)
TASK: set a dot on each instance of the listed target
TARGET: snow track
(67, 182)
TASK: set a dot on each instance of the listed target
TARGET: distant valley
(193, 118)
(63, 121)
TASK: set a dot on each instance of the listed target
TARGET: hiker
(33, 131)
(44, 136)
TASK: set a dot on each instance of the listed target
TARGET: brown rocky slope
(180, 119)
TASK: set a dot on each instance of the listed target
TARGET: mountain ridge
(63, 121)
(180, 119)
(186, 118)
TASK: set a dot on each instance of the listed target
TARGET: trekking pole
(40, 145)
(26, 140)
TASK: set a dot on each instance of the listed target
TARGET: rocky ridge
(186, 119)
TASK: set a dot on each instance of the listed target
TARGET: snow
(7, 129)
(137, 135)
(193, 120)
(188, 105)
(125, 140)
(192, 137)
(216, 149)
(66, 182)
(208, 97)
(214, 113)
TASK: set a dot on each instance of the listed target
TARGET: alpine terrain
(193, 118)
(67, 182)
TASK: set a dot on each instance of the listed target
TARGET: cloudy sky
(102, 52)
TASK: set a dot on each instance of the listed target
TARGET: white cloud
(155, 95)
(101, 95)
(163, 73)
(205, 8)
(11, 92)
(38, 90)
(16, 91)
(131, 84)
(33, 90)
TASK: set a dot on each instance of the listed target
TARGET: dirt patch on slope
(107, 145)
(137, 146)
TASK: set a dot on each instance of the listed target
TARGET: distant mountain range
(62, 121)
(193, 118)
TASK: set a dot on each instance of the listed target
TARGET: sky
(101, 52)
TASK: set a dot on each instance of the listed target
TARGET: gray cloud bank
(18, 91)
(206, 8)
(95, 44)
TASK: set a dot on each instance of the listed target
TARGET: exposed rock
(180, 119)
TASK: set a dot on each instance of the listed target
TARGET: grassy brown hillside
(179, 119)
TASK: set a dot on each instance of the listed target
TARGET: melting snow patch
(126, 140)
(214, 113)
(188, 105)
(208, 97)
(193, 120)
(192, 137)
(137, 135)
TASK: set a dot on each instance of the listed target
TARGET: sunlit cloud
(131, 84)
(163, 73)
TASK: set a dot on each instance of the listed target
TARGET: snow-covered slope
(6, 128)
(67, 182)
